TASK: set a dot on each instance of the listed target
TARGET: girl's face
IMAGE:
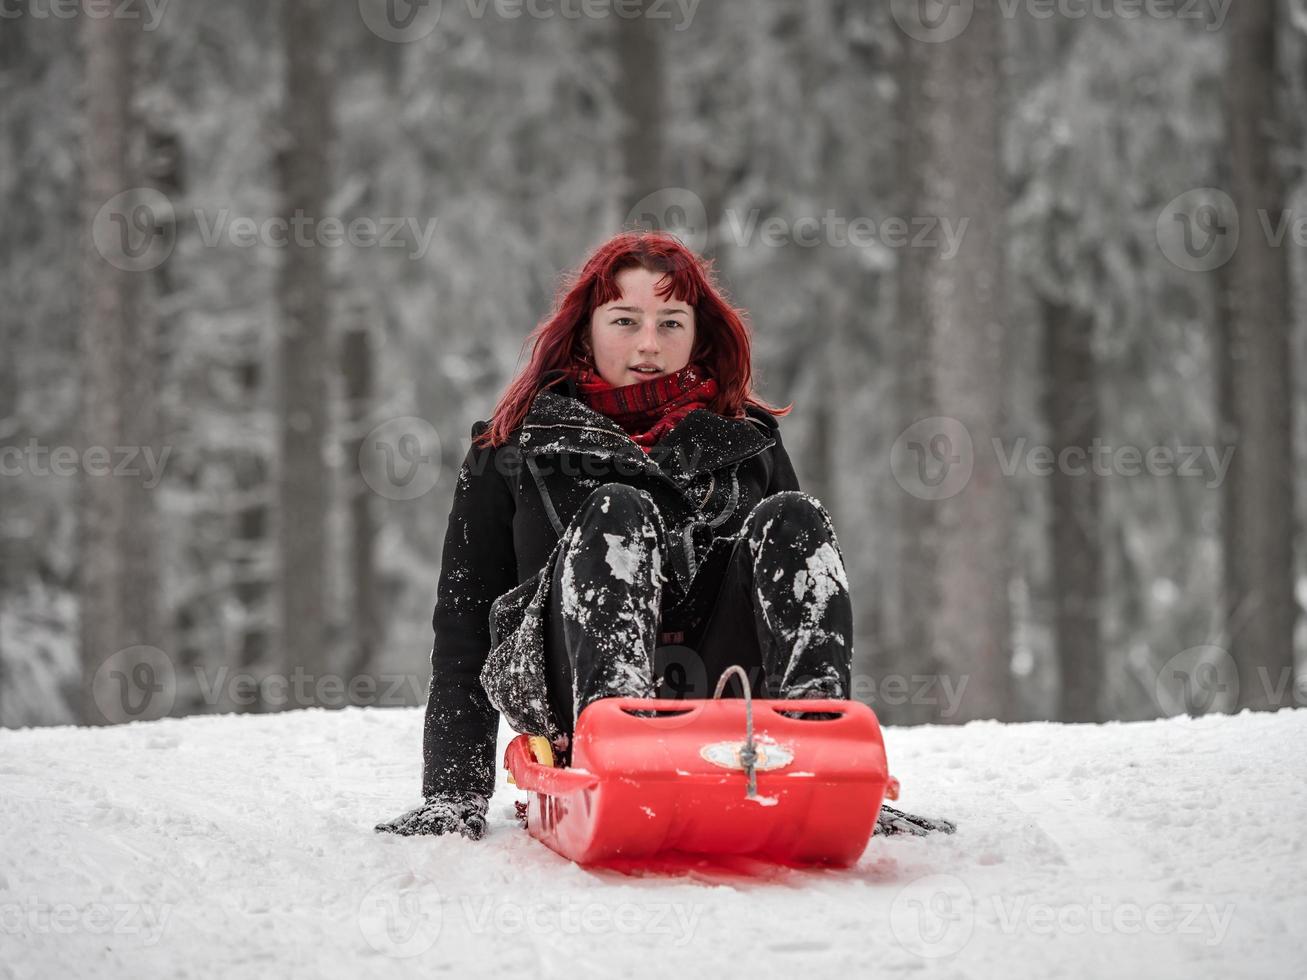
(639, 329)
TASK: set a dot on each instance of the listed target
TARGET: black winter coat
(511, 504)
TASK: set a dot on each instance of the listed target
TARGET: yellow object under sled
(541, 749)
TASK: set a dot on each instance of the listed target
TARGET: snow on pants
(774, 599)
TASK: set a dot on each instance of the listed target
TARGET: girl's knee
(791, 508)
(619, 499)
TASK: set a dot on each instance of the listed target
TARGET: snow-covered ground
(239, 846)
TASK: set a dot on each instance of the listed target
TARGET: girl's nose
(649, 337)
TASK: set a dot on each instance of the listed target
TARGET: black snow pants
(774, 599)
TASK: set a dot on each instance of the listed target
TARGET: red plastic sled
(684, 781)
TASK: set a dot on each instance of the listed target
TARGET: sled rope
(749, 751)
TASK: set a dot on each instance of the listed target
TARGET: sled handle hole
(656, 712)
(796, 714)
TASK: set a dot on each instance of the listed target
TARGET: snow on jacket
(511, 505)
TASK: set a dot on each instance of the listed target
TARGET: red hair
(722, 343)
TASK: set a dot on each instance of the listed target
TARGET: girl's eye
(624, 321)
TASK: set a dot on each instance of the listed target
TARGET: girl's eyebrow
(636, 309)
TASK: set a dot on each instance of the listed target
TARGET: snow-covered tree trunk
(1071, 411)
(304, 481)
(638, 49)
(1255, 391)
(117, 564)
(357, 368)
(954, 550)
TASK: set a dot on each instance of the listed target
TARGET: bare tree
(304, 168)
(953, 556)
(1071, 409)
(638, 44)
(1256, 402)
(117, 565)
(357, 367)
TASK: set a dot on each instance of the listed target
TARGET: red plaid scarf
(647, 410)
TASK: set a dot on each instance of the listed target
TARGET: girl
(627, 523)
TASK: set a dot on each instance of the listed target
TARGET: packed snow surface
(243, 846)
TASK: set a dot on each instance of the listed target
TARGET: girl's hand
(445, 813)
(890, 822)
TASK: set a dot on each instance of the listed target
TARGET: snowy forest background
(201, 417)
